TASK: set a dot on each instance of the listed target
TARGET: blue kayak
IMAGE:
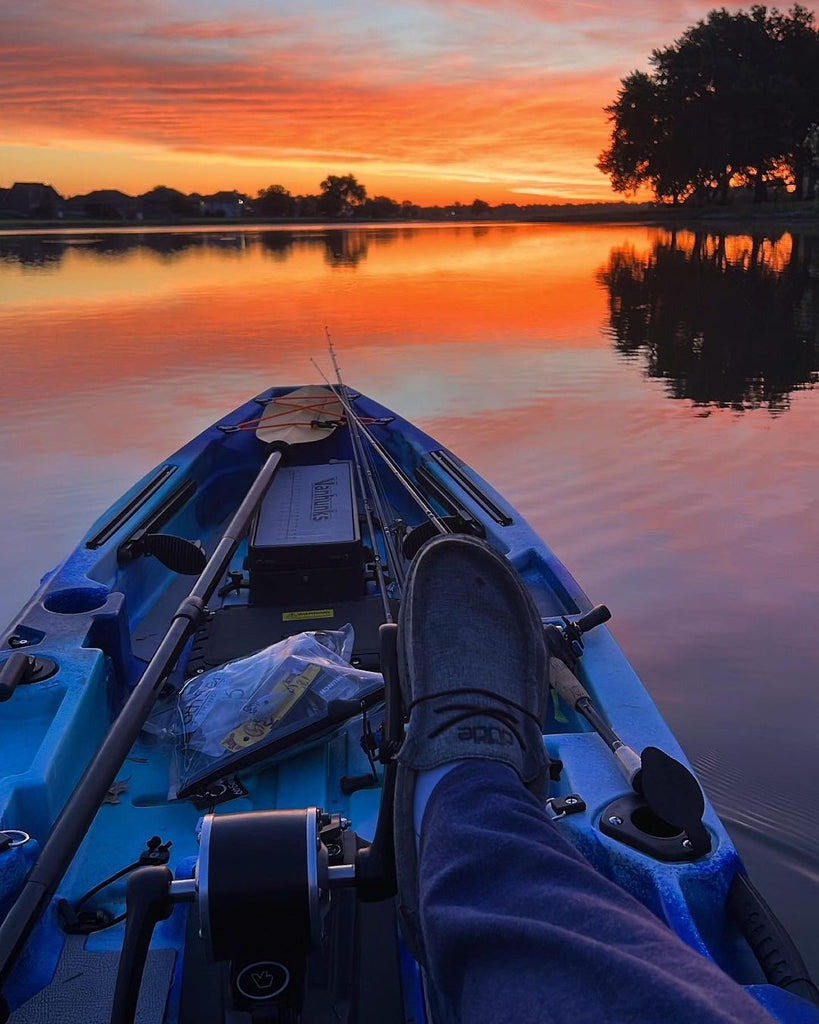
(199, 722)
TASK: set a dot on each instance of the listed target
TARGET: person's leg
(504, 916)
(517, 925)
(473, 670)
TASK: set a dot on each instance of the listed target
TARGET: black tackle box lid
(308, 518)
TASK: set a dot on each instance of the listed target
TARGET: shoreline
(803, 217)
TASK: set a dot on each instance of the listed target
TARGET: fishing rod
(358, 459)
(438, 522)
(410, 487)
(385, 512)
(382, 503)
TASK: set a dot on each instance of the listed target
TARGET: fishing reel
(566, 641)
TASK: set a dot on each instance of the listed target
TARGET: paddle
(287, 421)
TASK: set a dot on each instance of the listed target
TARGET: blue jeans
(519, 927)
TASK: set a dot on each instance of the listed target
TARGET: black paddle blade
(186, 557)
(674, 795)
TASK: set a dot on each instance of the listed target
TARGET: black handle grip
(393, 719)
(775, 950)
(375, 864)
(148, 901)
(14, 670)
(596, 617)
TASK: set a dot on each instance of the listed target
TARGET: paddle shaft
(81, 807)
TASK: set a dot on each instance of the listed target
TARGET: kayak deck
(101, 616)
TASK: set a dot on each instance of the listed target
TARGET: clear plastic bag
(250, 705)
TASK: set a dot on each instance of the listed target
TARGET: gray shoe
(474, 670)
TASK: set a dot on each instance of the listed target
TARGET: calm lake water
(647, 399)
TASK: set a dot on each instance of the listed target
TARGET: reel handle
(148, 901)
(596, 617)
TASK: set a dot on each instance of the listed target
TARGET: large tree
(275, 201)
(340, 194)
(649, 146)
(731, 100)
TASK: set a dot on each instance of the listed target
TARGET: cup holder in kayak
(73, 600)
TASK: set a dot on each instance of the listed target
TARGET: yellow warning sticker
(318, 613)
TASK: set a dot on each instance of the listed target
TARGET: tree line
(734, 102)
(342, 195)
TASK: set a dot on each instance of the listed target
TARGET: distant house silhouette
(31, 199)
(163, 203)
(104, 204)
(225, 204)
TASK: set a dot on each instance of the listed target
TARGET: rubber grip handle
(148, 901)
(375, 876)
(14, 670)
(596, 617)
(568, 686)
(388, 643)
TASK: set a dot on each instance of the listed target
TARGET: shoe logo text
(486, 734)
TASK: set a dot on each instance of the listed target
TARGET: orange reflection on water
(773, 253)
(515, 285)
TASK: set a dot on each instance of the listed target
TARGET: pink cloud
(195, 31)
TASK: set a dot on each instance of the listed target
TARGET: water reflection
(40, 251)
(728, 320)
(346, 248)
(341, 247)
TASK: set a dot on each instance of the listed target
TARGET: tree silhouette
(730, 102)
(275, 201)
(381, 208)
(340, 194)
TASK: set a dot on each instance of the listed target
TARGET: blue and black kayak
(199, 724)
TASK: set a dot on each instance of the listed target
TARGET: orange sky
(428, 100)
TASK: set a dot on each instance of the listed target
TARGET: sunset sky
(434, 101)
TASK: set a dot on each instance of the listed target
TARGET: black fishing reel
(566, 641)
(261, 890)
